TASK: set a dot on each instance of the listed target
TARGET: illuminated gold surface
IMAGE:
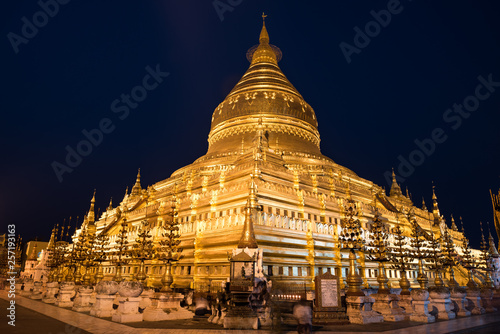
(266, 130)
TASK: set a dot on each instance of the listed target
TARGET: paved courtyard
(37, 317)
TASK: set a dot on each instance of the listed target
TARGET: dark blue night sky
(390, 89)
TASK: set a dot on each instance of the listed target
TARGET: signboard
(328, 308)
(329, 292)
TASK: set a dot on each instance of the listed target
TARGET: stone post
(387, 305)
(486, 298)
(146, 296)
(457, 295)
(128, 310)
(474, 295)
(405, 303)
(37, 290)
(82, 299)
(440, 298)
(66, 293)
(166, 306)
(28, 288)
(357, 310)
(19, 286)
(103, 306)
(49, 296)
(420, 302)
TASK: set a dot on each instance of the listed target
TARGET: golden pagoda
(264, 137)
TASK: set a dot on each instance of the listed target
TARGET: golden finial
(424, 207)
(264, 36)
(69, 226)
(136, 189)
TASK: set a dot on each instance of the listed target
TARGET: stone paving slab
(88, 324)
(29, 321)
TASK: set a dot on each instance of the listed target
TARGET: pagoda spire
(136, 189)
(91, 214)
(264, 36)
(453, 225)
(33, 256)
(264, 53)
(52, 240)
(247, 239)
(110, 206)
(495, 201)
(491, 241)
(435, 208)
(395, 188)
(424, 207)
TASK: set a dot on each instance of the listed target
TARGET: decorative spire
(491, 241)
(453, 225)
(264, 36)
(424, 207)
(62, 229)
(110, 206)
(395, 188)
(136, 189)
(264, 52)
(483, 240)
(260, 142)
(91, 214)
(435, 208)
(67, 230)
(52, 240)
(33, 256)
(495, 201)
(248, 236)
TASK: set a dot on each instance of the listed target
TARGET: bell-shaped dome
(265, 99)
